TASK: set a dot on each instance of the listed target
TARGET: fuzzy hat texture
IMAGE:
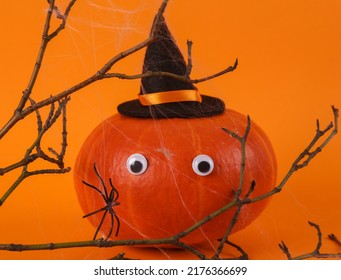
(164, 55)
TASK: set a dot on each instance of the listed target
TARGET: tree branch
(46, 38)
(171, 75)
(335, 239)
(307, 155)
(21, 113)
(189, 60)
(237, 202)
(315, 253)
(35, 151)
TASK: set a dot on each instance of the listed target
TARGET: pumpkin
(164, 175)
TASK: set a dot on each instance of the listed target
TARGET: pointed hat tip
(163, 55)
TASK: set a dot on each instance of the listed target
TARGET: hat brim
(209, 106)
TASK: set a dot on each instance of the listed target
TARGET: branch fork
(57, 111)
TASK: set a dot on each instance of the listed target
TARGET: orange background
(288, 75)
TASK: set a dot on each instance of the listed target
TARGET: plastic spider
(110, 201)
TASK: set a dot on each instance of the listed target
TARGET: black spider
(110, 201)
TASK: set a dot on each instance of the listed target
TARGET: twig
(100, 75)
(225, 71)
(309, 153)
(285, 250)
(189, 59)
(224, 240)
(335, 239)
(120, 256)
(21, 113)
(242, 139)
(190, 249)
(315, 253)
(101, 243)
(243, 254)
(42, 129)
(158, 18)
(25, 174)
(46, 38)
(30, 156)
(171, 75)
(175, 240)
(25, 161)
(64, 143)
(62, 98)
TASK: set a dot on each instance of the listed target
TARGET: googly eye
(202, 165)
(137, 164)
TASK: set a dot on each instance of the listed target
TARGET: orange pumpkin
(169, 174)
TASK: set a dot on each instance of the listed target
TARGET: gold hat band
(169, 96)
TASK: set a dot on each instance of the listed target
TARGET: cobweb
(112, 26)
(96, 31)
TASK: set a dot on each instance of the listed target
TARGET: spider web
(96, 31)
(112, 27)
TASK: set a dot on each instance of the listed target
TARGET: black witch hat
(164, 96)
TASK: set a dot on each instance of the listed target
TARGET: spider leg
(100, 224)
(118, 224)
(95, 212)
(112, 225)
(102, 182)
(114, 190)
(110, 201)
(95, 188)
(113, 218)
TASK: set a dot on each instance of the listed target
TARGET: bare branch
(62, 17)
(315, 253)
(239, 202)
(120, 256)
(158, 18)
(171, 75)
(189, 62)
(48, 171)
(242, 139)
(285, 250)
(21, 113)
(334, 238)
(31, 156)
(243, 256)
(175, 240)
(307, 155)
(35, 151)
(25, 161)
(225, 71)
(46, 38)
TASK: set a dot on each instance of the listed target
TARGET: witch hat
(164, 96)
